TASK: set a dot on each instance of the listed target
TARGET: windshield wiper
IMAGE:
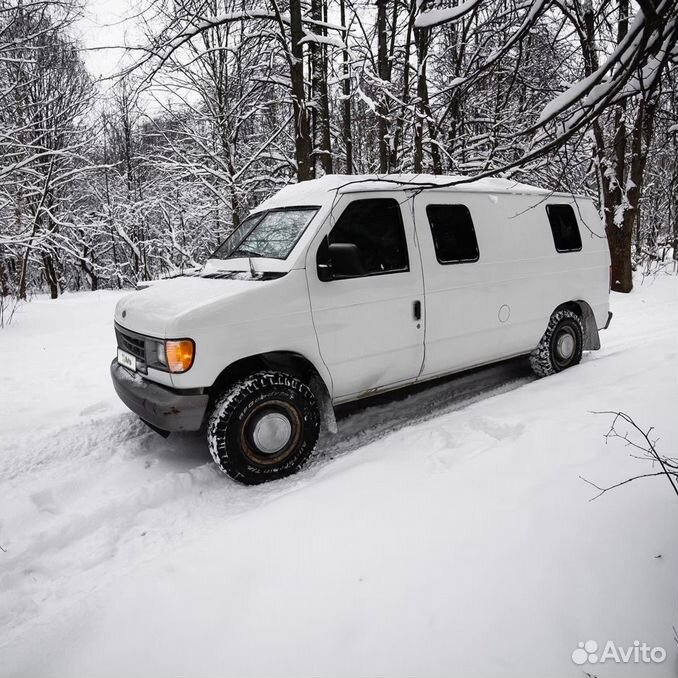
(243, 253)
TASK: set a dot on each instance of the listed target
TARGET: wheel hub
(565, 345)
(272, 432)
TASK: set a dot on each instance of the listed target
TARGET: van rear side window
(454, 237)
(566, 236)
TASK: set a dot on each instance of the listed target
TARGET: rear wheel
(561, 346)
(264, 427)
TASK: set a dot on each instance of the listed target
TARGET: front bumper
(161, 407)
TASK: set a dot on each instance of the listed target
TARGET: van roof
(315, 192)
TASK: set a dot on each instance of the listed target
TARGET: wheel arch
(588, 319)
(288, 362)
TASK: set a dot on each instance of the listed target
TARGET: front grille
(134, 344)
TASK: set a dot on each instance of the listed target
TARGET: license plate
(127, 360)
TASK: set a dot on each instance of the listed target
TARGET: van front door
(366, 292)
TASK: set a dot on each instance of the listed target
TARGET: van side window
(454, 237)
(564, 227)
(373, 234)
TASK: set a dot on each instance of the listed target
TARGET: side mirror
(338, 260)
(345, 260)
(323, 262)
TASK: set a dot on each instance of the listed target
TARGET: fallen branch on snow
(636, 437)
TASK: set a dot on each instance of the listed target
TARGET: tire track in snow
(366, 421)
(111, 489)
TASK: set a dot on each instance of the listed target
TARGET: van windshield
(267, 234)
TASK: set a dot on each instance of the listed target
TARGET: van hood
(155, 309)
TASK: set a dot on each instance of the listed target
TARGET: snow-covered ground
(442, 533)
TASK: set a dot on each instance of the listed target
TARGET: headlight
(179, 354)
(171, 355)
(160, 353)
(155, 354)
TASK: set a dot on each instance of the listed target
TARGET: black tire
(256, 415)
(561, 346)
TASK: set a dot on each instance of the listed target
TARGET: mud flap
(161, 431)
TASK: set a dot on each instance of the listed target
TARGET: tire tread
(226, 405)
(541, 360)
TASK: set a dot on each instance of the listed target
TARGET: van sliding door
(459, 253)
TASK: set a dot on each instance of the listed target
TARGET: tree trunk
(321, 108)
(51, 275)
(405, 96)
(620, 255)
(302, 128)
(423, 109)
(346, 93)
(622, 270)
(383, 108)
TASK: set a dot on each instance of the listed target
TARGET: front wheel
(561, 346)
(264, 427)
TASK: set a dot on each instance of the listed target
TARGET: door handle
(416, 309)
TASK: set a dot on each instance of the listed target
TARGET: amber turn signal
(180, 354)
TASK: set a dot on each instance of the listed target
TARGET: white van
(347, 286)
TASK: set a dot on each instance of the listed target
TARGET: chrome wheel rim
(565, 345)
(272, 432)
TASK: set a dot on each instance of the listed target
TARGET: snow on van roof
(316, 191)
